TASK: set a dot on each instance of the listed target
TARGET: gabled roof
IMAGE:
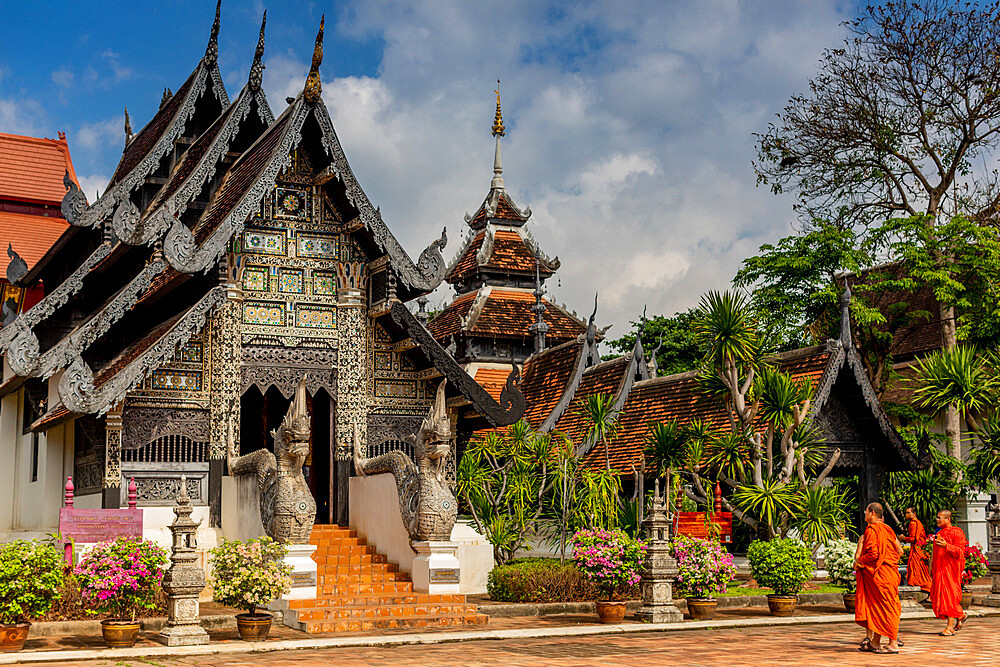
(32, 169)
(502, 313)
(30, 235)
(608, 377)
(500, 250)
(498, 207)
(550, 376)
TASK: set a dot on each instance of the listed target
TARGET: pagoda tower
(499, 314)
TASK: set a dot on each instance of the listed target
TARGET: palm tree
(599, 411)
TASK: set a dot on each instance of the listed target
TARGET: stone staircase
(359, 590)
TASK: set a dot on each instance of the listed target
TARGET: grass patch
(735, 591)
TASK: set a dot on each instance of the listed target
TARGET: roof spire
(539, 327)
(257, 68)
(167, 94)
(314, 88)
(212, 50)
(128, 128)
(498, 131)
(845, 316)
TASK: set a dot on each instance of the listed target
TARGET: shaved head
(875, 508)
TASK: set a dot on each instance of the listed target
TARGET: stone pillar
(436, 568)
(184, 580)
(993, 556)
(352, 377)
(224, 402)
(112, 491)
(659, 569)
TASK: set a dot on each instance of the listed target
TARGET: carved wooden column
(112, 488)
(224, 403)
(352, 377)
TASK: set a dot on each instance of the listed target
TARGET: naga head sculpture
(434, 439)
(291, 438)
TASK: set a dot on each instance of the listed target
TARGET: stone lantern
(659, 568)
(184, 580)
(993, 556)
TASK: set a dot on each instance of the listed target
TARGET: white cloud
(21, 116)
(100, 135)
(63, 77)
(91, 184)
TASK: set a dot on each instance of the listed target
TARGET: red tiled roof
(31, 236)
(545, 377)
(492, 380)
(506, 313)
(467, 264)
(680, 397)
(32, 169)
(604, 378)
(510, 254)
(504, 211)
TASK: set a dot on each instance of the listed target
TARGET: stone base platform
(359, 590)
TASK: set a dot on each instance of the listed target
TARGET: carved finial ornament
(845, 316)
(128, 128)
(314, 88)
(257, 68)
(212, 50)
(498, 129)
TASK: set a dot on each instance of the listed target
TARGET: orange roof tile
(449, 320)
(506, 313)
(492, 380)
(604, 378)
(31, 236)
(545, 377)
(504, 211)
(467, 264)
(510, 254)
(32, 169)
(680, 397)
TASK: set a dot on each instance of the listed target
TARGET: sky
(630, 125)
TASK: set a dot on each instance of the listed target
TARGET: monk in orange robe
(947, 567)
(917, 573)
(877, 606)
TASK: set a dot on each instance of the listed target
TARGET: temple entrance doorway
(261, 414)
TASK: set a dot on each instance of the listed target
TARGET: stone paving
(977, 644)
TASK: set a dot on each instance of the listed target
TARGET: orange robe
(946, 568)
(877, 603)
(917, 573)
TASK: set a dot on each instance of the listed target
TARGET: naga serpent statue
(287, 508)
(427, 505)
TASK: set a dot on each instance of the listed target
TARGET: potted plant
(248, 574)
(703, 568)
(31, 577)
(784, 566)
(839, 556)
(975, 568)
(611, 560)
(120, 578)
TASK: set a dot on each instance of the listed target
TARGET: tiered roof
(498, 312)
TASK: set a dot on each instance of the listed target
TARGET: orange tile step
(366, 625)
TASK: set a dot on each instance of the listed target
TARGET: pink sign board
(87, 526)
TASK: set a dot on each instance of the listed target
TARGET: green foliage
(247, 574)
(602, 424)
(958, 376)
(121, 577)
(783, 565)
(539, 580)
(611, 560)
(929, 491)
(704, 568)
(769, 501)
(839, 557)
(31, 579)
(822, 515)
(725, 330)
(984, 456)
(677, 348)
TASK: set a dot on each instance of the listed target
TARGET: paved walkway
(830, 644)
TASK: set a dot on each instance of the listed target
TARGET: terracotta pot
(120, 634)
(782, 605)
(12, 636)
(966, 599)
(849, 601)
(253, 627)
(702, 609)
(611, 612)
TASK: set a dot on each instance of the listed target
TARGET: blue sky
(630, 124)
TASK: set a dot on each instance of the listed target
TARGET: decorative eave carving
(21, 329)
(470, 236)
(476, 309)
(550, 263)
(73, 205)
(76, 387)
(511, 406)
(486, 249)
(624, 389)
(569, 391)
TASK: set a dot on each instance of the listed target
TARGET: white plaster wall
(38, 502)
(9, 440)
(241, 508)
(91, 501)
(374, 513)
(475, 555)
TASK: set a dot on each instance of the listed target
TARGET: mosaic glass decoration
(406, 363)
(192, 353)
(395, 389)
(383, 361)
(262, 312)
(170, 380)
(316, 245)
(290, 281)
(291, 204)
(324, 282)
(263, 242)
(255, 278)
(315, 317)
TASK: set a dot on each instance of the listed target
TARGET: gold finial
(314, 88)
(498, 129)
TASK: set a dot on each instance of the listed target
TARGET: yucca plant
(822, 515)
(772, 501)
(602, 425)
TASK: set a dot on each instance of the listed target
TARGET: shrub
(839, 557)
(703, 567)
(611, 560)
(783, 565)
(539, 580)
(249, 573)
(121, 577)
(975, 564)
(31, 577)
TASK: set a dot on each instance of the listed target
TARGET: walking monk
(877, 606)
(946, 567)
(917, 573)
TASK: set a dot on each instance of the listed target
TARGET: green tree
(602, 421)
(671, 339)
